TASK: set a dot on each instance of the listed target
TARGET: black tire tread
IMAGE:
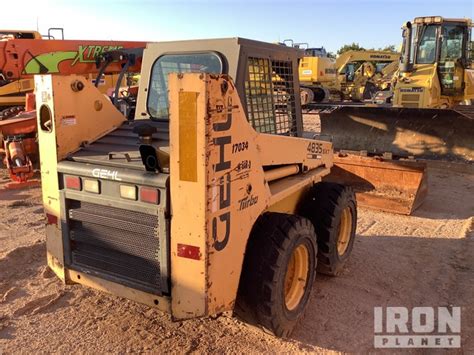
(270, 239)
(326, 201)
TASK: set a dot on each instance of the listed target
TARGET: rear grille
(118, 244)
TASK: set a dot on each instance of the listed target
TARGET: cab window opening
(157, 102)
(426, 53)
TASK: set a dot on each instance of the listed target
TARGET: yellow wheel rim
(345, 229)
(296, 277)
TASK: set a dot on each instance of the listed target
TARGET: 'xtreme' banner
(48, 63)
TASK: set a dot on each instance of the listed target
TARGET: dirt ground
(422, 260)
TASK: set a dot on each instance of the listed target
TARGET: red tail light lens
(73, 182)
(51, 219)
(189, 251)
(150, 195)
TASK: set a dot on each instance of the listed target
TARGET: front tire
(333, 210)
(279, 271)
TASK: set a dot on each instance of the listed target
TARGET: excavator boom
(364, 56)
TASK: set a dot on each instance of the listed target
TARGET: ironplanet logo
(422, 327)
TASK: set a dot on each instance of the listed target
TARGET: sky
(371, 23)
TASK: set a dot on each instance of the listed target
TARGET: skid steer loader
(210, 200)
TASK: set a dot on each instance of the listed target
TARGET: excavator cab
(349, 72)
(319, 52)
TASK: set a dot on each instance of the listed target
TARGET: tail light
(150, 195)
(51, 219)
(73, 182)
(91, 186)
(128, 191)
(189, 251)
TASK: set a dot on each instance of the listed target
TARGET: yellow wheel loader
(431, 115)
(211, 200)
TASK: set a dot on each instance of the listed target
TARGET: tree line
(356, 47)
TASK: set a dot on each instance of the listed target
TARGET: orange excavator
(26, 53)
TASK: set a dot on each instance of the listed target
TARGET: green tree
(390, 48)
(350, 47)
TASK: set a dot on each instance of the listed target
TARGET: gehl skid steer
(210, 200)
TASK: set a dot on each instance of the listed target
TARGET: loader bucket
(421, 133)
(389, 185)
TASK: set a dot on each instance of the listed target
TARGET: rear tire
(333, 210)
(278, 271)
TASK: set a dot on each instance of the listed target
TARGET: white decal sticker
(68, 120)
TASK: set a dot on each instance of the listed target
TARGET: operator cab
(444, 42)
(316, 52)
(265, 76)
(266, 80)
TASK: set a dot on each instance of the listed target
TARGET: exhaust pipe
(405, 65)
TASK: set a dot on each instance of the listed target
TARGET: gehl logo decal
(106, 174)
(225, 181)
